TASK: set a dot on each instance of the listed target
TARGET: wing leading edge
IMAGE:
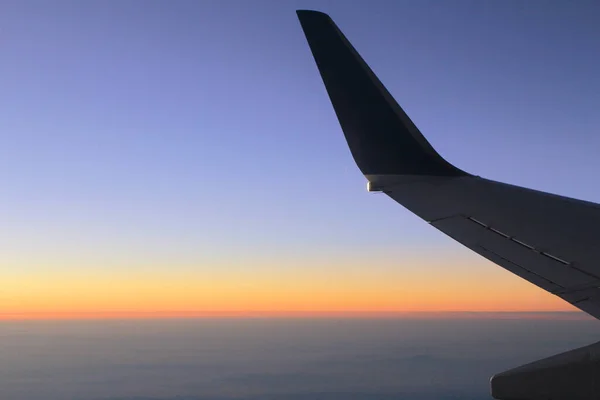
(549, 240)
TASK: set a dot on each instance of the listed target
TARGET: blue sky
(139, 131)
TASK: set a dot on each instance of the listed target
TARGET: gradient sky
(183, 157)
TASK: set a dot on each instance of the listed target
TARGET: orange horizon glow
(345, 288)
(533, 314)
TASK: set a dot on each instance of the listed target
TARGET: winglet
(381, 137)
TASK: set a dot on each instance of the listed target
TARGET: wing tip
(312, 19)
(308, 13)
(382, 138)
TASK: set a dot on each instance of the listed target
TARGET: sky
(182, 157)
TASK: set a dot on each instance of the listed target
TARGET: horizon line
(144, 315)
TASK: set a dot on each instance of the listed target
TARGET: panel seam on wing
(525, 269)
(569, 264)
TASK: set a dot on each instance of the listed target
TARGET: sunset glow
(293, 291)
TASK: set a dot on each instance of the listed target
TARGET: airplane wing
(549, 240)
